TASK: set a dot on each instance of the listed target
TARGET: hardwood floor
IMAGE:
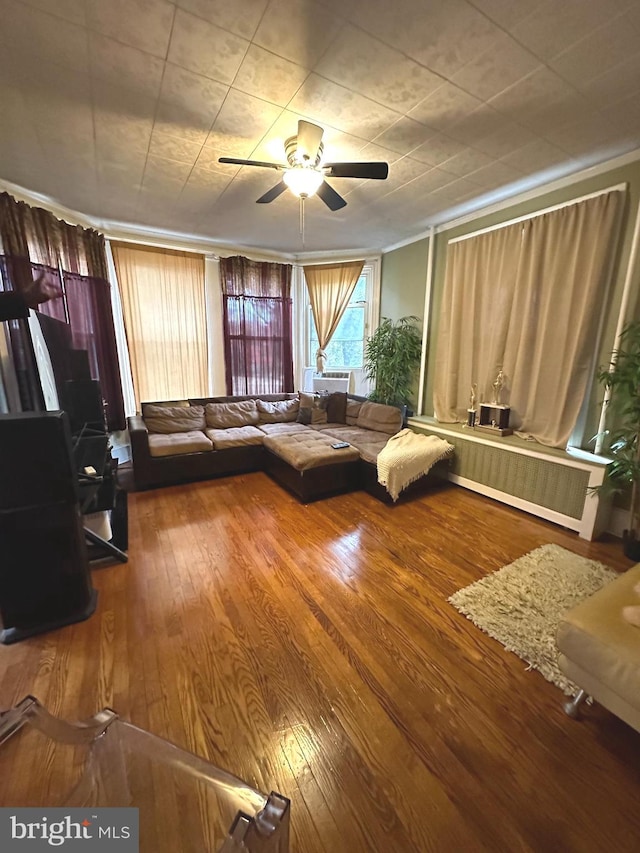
(311, 650)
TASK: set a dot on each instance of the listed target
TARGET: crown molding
(461, 215)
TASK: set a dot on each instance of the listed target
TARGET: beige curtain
(526, 299)
(330, 287)
(163, 303)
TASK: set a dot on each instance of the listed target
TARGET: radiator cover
(545, 482)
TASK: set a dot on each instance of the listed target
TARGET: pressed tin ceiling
(119, 109)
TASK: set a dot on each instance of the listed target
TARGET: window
(345, 351)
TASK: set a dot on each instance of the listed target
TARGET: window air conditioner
(332, 381)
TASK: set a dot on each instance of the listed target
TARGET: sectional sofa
(292, 437)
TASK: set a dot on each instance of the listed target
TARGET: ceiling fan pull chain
(302, 219)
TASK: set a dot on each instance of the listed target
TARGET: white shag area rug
(521, 604)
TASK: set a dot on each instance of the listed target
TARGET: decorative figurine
(471, 411)
(497, 386)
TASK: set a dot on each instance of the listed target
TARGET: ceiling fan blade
(309, 139)
(272, 194)
(330, 197)
(236, 162)
(373, 171)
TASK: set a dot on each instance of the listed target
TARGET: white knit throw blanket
(406, 457)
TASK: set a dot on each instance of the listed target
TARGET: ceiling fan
(306, 174)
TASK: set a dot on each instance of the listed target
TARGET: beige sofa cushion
(167, 420)
(193, 441)
(367, 441)
(353, 410)
(379, 417)
(309, 449)
(277, 413)
(225, 415)
(282, 429)
(235, 437)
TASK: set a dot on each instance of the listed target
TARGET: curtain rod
(617, 188)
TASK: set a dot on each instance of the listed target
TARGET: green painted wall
(403, 280)
(629, 174)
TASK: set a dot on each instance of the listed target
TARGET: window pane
(360, 291)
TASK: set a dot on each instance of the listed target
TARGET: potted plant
(391, 359)
(623, 439)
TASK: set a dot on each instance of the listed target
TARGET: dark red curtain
(37, 245)
(257, 310)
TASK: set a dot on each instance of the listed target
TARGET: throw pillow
(337, 407)
(278, 413)
(168, 419)
(312, 409)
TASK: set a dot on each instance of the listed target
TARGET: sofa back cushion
(313, 408)
(380, 418)
(278, 413)
(225, 415)
(352, 412)
(165, 420)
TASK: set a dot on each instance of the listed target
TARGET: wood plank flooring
(311, 650)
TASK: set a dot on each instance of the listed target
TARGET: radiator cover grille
(539, 481)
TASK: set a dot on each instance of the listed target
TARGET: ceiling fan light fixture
(303, 182)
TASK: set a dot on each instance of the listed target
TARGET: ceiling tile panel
(69, 10)
(506, 13)
(465, 162)
(448, 104)
(482, 121)
(368, 66)
(173, 148)
(535, 156)
(324, 101)
(404, 135)
(372, 151)
(556, 24)
(205, 48)
(591, 134)
(299, 30)
(123, 122)
(495, 174)
(623, 80)
(496, 69)
(32, 34)
(144, 24)
(208, 162)
(241, 124)
(189, 103)
(598, 53)
(240, 18)
(125, 66)
(165, 176)
(530, 97)
(401, 172)
(437, 149)
(269, 77)
(442, 35)
(469, 101)
(506, 138)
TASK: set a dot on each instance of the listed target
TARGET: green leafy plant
(623, 412)
(391, 359)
